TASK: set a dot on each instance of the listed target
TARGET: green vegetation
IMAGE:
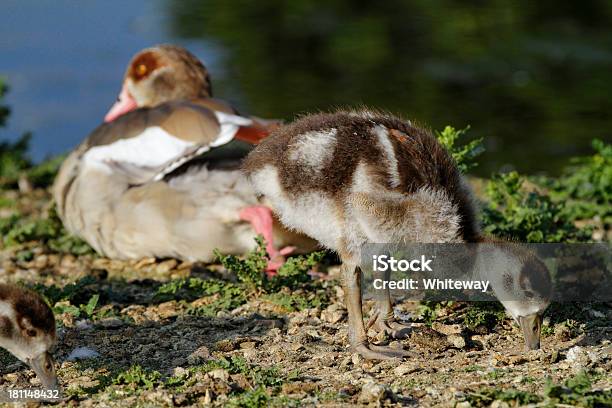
(527, 216)
(48, 232)
(75, 298)
(575, 391)
(465, 154)
(483, 314)
(221, 295)
(585, 187)
(545, 209)
(15, 165)
(138, 378)
(252, 281)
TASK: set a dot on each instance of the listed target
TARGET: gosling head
(522, 284)
(27, 330)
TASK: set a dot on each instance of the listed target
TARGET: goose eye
(31, 333)
(141, 69)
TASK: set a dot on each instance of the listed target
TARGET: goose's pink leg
(261, 219)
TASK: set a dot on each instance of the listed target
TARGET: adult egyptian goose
(351, 178)
(160, 177)
(27, 330)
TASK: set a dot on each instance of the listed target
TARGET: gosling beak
(531, 325)
(44, 367)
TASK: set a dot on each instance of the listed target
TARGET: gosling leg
(356, 329)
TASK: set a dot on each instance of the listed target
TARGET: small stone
(11, 377)
(499, 404)
(247, 345)
(463, 404)
(456, 341)
(577, 355)
(356, 359)
(332, 316)
(373, 392)
(447, 329)
(111, 323)
(405, 368)
(166, 266)
(296, 346)
(199, 356)
(180, 372)
(250, 354)
(219, 374)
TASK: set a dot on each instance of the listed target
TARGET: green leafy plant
(585, 187)
(138, 377)
(464, 155)
(250, 269)
(577, 391)
(223, 295)
(48, 231)
(487, 314)
(74, 298)
(514, 212)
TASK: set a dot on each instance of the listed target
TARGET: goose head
(160, 74)
(27, 330)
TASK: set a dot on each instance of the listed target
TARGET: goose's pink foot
(261, 219)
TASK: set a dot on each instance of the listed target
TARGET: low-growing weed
(464, 155)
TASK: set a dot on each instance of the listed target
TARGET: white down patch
(314, 149)
(311, 213)
(382, 134)
(152, 148)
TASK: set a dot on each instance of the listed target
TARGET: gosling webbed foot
(393, 328)
(374, 352)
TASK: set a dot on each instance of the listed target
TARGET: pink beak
(124, 104)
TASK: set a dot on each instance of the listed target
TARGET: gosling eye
(31, 333)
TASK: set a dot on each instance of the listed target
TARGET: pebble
(219, 374)
(199, 356)
(578, 356)
(456, 341)
(247, 345)
(82, 353)
(373, 392)
(405, 368)
(333, 314)
(250, 354)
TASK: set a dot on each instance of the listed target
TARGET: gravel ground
(134, 349)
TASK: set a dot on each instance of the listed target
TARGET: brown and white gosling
(351, 178)
(27, 330)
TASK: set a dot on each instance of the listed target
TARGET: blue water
(64, 61)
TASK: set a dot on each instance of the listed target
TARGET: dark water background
(533, 78)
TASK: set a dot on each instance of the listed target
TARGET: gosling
(27, 330)
(351, 178)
